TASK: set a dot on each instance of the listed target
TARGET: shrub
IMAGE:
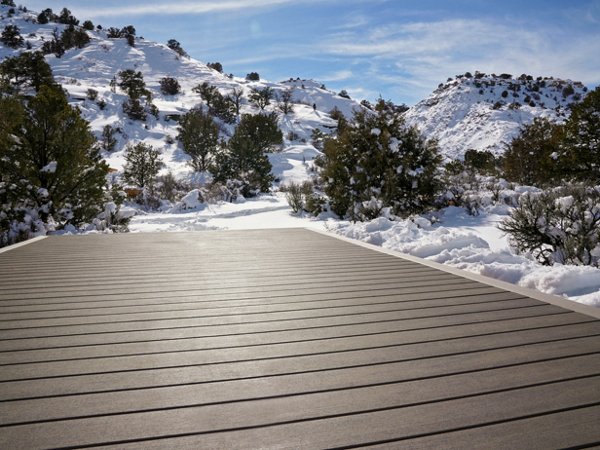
(169, 86)
(299, 196)
(343, 93)
(253, 76)
(216, 66)
(134, 109)
(92, 94)
(176, 47)
(11, 36)
(285, 99)
(561, 225)
(108, 138)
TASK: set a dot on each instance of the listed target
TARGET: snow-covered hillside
(95, 65)
(484, 112)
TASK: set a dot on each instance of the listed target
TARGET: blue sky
(399, 49)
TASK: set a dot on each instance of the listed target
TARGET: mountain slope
(483, 112)
(95, 65)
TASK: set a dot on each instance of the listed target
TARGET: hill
(485, 111)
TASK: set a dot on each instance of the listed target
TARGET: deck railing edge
(21, 244)
(548, 298)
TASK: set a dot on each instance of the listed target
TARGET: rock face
(484, 111)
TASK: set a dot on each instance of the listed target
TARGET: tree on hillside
(262, 97)
(169, 86)
(245, 159)
(28, 70)
(207, 92)
(253, 76)
(133, 83)
(142, 164)
(285, 101)
(376, 163)
(531, 157)
(67, 18)
(49, 159)
(199, 135)
(176, 47)
(216, 66)
(11, 36)
(236, 99)
(581, 154)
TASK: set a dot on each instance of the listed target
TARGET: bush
(169, 86)
(176, 47)
(92, 94)
(11, 36)
(558, 226)
(134, 109)
(299, 197)
(378, 163)
(343, 93)
(108, 138)
(216, 66)
(253, 76)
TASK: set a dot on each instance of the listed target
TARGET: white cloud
(340, 75)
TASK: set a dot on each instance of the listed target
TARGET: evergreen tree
(88, 25)
(108, 138)
(28, 70)
(216, 66)
(11, 36)
(253, 76)
(245, 159)
(376, 163)
(67, 18)
(176, 47)
(207, 92)
(50, 158)
(169, 86)
(142, 164)
(581, 155)
(531, 157)
(74, 37)
(199, 135)
(133, 83)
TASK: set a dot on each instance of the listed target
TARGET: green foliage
(88, 25)
(133, 83)
(8, 3)
(169, 86)
(244, 159)
(222, 107)
(581, 145)
(11, 36)
(301, 197)
(176, 47)
(253, 76)
(28, 70)
(531, 157)
(67, 18)
(262, 97)
(558, 226)
(483, 162)
(207, 92)
(74, 38)
(134, 109)
(46, 16)
(376, 163)
(142, 164)
(49, 157)
(199, 135)
(216, 66)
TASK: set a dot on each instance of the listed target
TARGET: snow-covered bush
(561, 225)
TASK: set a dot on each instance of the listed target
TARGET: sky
(396, 49)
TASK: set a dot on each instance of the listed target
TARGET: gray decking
(280, 338)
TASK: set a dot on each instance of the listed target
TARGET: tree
(262, 97)
(88, 25)
(51, 158)
(74, 37)
(253, 76)
(134, 109)
(216, 66)
(46, 16)
(531, 157)
(285, 100)
(343, 93)
(28, 70)
(142, 164)
(169, 86)
(176, 47)
(199, 135)
(378, 163)
(8, 3)
(236, 99)
(207, 92)
(11, 36)
(67, 18)
(133, 83)
(108, 138)
(581, 145)
(245, 159)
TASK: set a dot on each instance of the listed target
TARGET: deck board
(280, 338)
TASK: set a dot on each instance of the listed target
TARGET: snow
(50, 167)
(457, 114)
(475, 244)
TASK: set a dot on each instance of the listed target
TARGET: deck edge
(21, 244)
(537, 295)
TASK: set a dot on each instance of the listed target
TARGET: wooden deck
(280, 339)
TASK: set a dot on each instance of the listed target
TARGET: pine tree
(376, 163)
(51, 158)
(133, 83)
(199, 135)
(531, 157)
(581, 159)
(11, 36)
(142, 164)
(169, 86)
(28, 70)
(245, 159)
